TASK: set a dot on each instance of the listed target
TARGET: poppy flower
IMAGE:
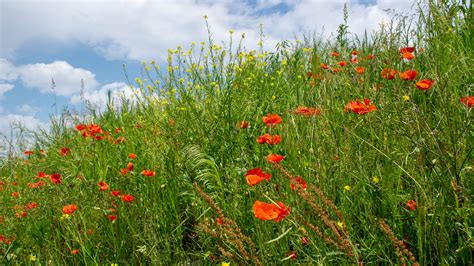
(388, 73)
(69, 209)
(292, 255)
(324, 66)
(359, 70)
(130, 166)
(75, 251)
(28, 153)
(309, 74)
(468, 101)
(127, 198)
(148, 173)
(354, 52)
(335, 70)
(370, 56)
(124, 171)
(269, 139)
(411, 204)
(112, 217)
(304, 241)
(272, 120)
(31, 205)
(244, 124)
(35, 185)
(307, 111)
(55, 178)
(103, 186)
(408, 56)
(64, 151)
(256, 175)
(300, 182)
(360, 108)
(424, 84)
(132, 156)
(334, 54)
(41, 175)
(115, 193)
(407, 50)
(275, 158)
(342, 63)
(408, 74)
(269, 211)
(15, 194)
(354, 60)
(21, 214)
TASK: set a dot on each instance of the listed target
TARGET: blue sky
(71, 40)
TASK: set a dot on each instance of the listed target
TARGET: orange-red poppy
(148, 173)
(127, 198)
(41, 175)
(298, 182)
(28, 153)
(468, 101)
(132, 156)
(408, 56)
(55, 178)
(272, 120)
(370, 56)
(268, 211)
(411, 204)
(275, 158)
(307, 111)
(124, 171)
(244, 124)
(112, 217)
(360, 108)
(359, 70)
(15, 194)
(256, 175)
(409, 74)
(342, 63)
(103, 186)
(115, 193)
(424, 84)
(334, 54)
(388, 73)
(69, 209)
(324, 66)
(407, 50)
(31, 205)
(64, 151)
(130, 166)
(269, 139)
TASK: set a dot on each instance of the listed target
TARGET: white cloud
(27, 121)
(99, 98)
(5, 88)
(145, 29)
(27, 109)
(67, 78)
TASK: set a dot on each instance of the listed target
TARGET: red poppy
(103, 186)
(35, 185)
(64, 151)
(307, 111)
(124, 171)
(219, 221)
(69, 209)
(411, 204)
(370, 56)
(272, 120)
(304, 241)
(335, 70)
(115, 193)
(132, 156)
(354, 60)
(55, 178)
(21, 214)
(75, 251)
(388, 73)
(80, 127)
(309, 74)
(41, 175)
(244, 124)
(31, 205)
(468, 101)
(130, 166)
(324, 66)
(269, 139)
(407, 50)
(148, 173)
(275, 158)
(127, 198)
(270, 211)
(359, 70)
(15, 194)
(256, 175)
(112, 217)
(300, 182)
(334, 54)
(342, 63)
(408, 56)
(28, 153)
(292, 255)
(408, 74)
(354, 52)
(360, 108)
(424, 84)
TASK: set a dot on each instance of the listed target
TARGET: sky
(88, 41)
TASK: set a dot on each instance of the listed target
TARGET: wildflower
(64, 151)
(424, 84)
(406, 98)
(115, 193)
(304, 241)
(148, 173)
(275, 158)
(69, 209)
(256, 175)
(21, 215)
(408, 74)
(127, 198)
(132, 156)
(35, 185)
(32, 258)
(272, 120)
(65, 217)
(359, 70)
(41, 175)
(130, 166)
(468, 101)
(124, 171)
(103, 186)
(324, 66)
(31, 206)
(407, 50)
(342, 63)
(341, 224)
(354, 59)
(347, 188)
(75, 251)
(28, 153)
(411, 204)
(292, 255)
(112, 217)
(244, 124)
(370, 56)
(408, 56)
(335, 70)
(388, 73)
(269, 139)
(375, 179)
(307, 111)
(300, 182)
(269, 211)
(55, 178)
(360, 108)
(15, 194)
(334, 54)
(225, 263)
(219, 221)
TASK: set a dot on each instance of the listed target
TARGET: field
(354, 150)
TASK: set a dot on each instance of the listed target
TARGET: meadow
(352, 150)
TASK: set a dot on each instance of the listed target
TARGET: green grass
(184, 124)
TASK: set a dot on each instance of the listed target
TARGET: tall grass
(390, 186)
